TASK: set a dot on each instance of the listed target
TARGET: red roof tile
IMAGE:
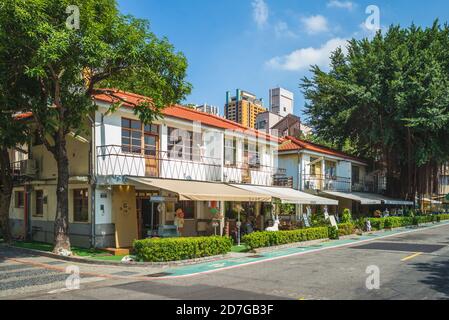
(183, 113)
(291, 144)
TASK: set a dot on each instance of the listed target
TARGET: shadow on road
(195, 292)
(437, 275)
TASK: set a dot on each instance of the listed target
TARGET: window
(183, 144)
(188, 207)
(19, 199)
(355, 174)
(230, 151)
(39, 202)
(331, 169)
(81, 205)
(151, 138)
(138, 138)
(131, 136)
(313, 167)
(252, 154)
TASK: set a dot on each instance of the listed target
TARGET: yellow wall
(78, 153)
(125, 219)
(16, 213)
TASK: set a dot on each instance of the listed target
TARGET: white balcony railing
(112, 161)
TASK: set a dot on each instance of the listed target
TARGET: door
(151, 147)
(150, 218)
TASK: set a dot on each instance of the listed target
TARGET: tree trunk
(5, 194)
(61, 228)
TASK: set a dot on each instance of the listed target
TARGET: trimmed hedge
(175, 249)
(398, 222)
(268, 239)
(346, 229)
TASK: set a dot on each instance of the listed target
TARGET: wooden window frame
(233, 148)
(19, 204)
(143, 131)
(85, 203)
(193, 152)
(39, 204)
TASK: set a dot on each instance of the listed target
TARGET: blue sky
(258, 44)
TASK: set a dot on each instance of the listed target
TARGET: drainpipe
(93, 178)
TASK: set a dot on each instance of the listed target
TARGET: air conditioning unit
(29, 168)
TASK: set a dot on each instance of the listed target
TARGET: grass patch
(240, 249)
(46, 247)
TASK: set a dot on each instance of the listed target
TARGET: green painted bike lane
(230, 263)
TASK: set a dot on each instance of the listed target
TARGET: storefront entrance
(147, 214)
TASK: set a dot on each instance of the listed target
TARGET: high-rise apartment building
(281, 101)
(243, 108)
(207, 108)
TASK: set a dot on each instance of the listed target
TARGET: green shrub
(268, 239)
(346, 229)
(333, 233)
(346, 217)
(174, 249)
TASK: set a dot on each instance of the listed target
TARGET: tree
(389, 97)
(71, 64)
(14, 86)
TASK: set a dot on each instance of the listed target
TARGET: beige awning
(289, 195)
(199, 191)
(369, 198)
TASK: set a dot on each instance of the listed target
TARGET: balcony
(255, 174)
(113, 162)
(372, 185)
(326, 183)
(23, 170)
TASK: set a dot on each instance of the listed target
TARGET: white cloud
(283, 31)
(341, 4)
(302, 59)
(315, 24)
(260, 13)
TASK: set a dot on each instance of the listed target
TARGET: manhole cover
(158, 275)
(406, 247)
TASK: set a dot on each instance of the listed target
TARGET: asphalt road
(411, 266)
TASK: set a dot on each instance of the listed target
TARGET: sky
(256, 45)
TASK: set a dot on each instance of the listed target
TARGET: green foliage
(174, 249)
(268, 239)
(398, 222)
(346, 217)
(346, 229)
(333, 233)
(390, 97)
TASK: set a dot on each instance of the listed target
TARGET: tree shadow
(437, 275)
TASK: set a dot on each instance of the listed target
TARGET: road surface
(411, 266)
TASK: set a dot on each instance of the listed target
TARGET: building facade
(207, 108)
(330, 173)
(281, 101)
(243, 108)
(129, 180)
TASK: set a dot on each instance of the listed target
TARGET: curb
(121, 264)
